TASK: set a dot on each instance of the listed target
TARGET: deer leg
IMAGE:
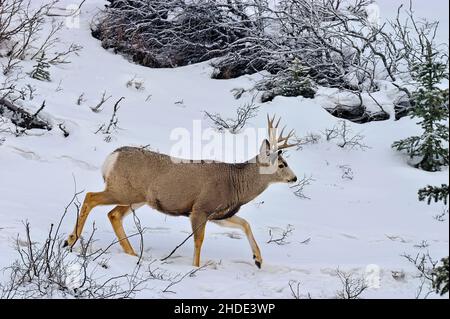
(241, 223)
(116, 217)
(90, 201)
(198, 222)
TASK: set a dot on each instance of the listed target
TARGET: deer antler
(281, 142)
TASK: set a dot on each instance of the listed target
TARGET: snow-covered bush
(334, 40)
(161, 33)
(24, 37)
(27, 35)
(336, 43)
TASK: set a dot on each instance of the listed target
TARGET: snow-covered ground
(351, 224)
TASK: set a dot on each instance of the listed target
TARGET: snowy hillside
(361, 210)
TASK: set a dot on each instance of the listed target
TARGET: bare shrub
(98, 107)
(426, 268)
(22, 33)
(295, 289)
(3, 130)
(24, 36)
(160, 33)
(347, 172)
(19, 25)
(46, 270)
(234, 125)
(109, 128)
(179, 278)
(345, 136)
(308, 139)
(64, 130)
(281, 240)
(300, 43)
(81, 99)
(353, 286)
(136, 84)
(442, 216)
(299, 188)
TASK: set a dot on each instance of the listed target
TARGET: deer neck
(248, 182)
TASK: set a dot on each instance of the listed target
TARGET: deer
(203, 192)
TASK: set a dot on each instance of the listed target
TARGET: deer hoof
(70, 241)
(258, 262)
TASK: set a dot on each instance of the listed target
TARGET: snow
(434, 11)
(370, 220)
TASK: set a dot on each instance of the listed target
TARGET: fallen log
(23, 118)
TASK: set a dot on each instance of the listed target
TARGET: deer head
(270, 158)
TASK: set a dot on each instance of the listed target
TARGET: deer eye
(281, 166)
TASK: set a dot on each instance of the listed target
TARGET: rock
(357, 114)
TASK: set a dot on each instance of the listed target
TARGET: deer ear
(264, 151)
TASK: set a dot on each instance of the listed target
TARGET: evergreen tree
(40, 71)
(431, 106)
(438, 194)
(301, 83)
(441, 273)
(441, 278)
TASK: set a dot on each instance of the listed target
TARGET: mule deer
(201, 191)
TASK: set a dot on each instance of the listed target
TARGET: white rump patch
(108, 165)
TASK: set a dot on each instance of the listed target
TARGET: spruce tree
(301, 83)
(441, 277)
(437, 194)
(430, 150)
(40, 71)
(441, 273)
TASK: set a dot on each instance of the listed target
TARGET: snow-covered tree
(430, 150)
(433, 193)
(40, 71)
(442, 277)
(293, 81)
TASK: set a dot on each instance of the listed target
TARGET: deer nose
(295, 179)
